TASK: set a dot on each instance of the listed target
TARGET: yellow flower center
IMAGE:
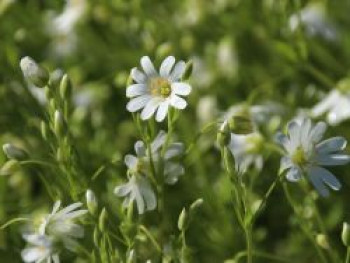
(160, 87)
(299, 156)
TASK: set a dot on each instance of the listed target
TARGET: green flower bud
(102, 222)
(96, 237)
(196, 205)
(34, 73)
(65, 87)
(59, 155)
(48, 92)
(224, 135)
(188, 70)
(45, 131)
(322, 241)
(345, 235)
(14, 152)
(183, 221)
(343, 85)
(240, 125)
(163, 50)
(10, 167)
(131, 257)
(59, 124)
(91, 202)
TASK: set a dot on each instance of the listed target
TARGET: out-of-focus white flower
(306, 154)
(138, 189)
(336, 105)
(247, 150)
(207, 109)
(139, 167)
(62, 27)
(60, 224)
(227, 60)
(40, 249)
(155, 92)
(314, 19)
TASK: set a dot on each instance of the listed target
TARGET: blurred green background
(244, 51)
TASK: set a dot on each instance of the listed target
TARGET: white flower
(306, 154)
(60, 224)
(336, 105)
(247, 150)
(315, 21)
(138, 188)
(155, 92)
(40, 249)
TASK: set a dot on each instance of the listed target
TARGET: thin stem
(347, 259)
(151, 238)
(303, 227)
(249, 242)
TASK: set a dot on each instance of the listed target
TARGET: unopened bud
(102, 222)
(322, 241)
(131, 257)
(188, 70)
(91, 202)
(183, 221)
(96, 237)
(196, 205)
(65, 87)
(163, 50)
(345, 235)
(240, 125)
(45, 130)
(9, 168)
(14, 152)
(224, 135)
(59, 124)
(34, 73)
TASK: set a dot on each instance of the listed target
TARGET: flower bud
(34, 73)
(45, 131)
(65, 87)
(102, 221)
(13, 152)
(343, 85)
(322, 241)
(183, 221)
(96, 237)
(163, 50)
(9, 168)
(345, 235)
(196, 205)
(188, 70)
(240, 125)
(131, 257)
(224, 135)
(59, 124)
(91, 202)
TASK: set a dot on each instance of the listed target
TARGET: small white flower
(336, 105)
(314, 19)
(40, 249)
(60, 224)
(155, 92)
(306, 154)
(138, 188)
(247, 150)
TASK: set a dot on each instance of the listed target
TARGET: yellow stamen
(160, 87)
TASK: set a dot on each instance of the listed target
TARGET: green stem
(347, 259)
(249, 242)
(302, 224)
(151, 238)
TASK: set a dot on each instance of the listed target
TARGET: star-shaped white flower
(154, 92)
(40, 249)
(60, 224)
(307, 154)
(139, 166)
(247, 150)
(336, 106)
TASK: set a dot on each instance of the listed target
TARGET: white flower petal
(166, 66)
(162, 111)
(286, 163)
(130, 161)
(293, 174)
(148, 67)
(172, 172)
(173, 150)
(333, 159)
(68, 209)
(158, 141)
(136, 90)
(140, 149)
(178, 103)
(150, 108)
(318, 131)
(33, 254)
(328, 178)
(331, 145)
(323, 106)
(138, 76)
(178, 71)
(138, 103)
(316, 180)
(181, 88)
(123, 190)
(147, 194)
